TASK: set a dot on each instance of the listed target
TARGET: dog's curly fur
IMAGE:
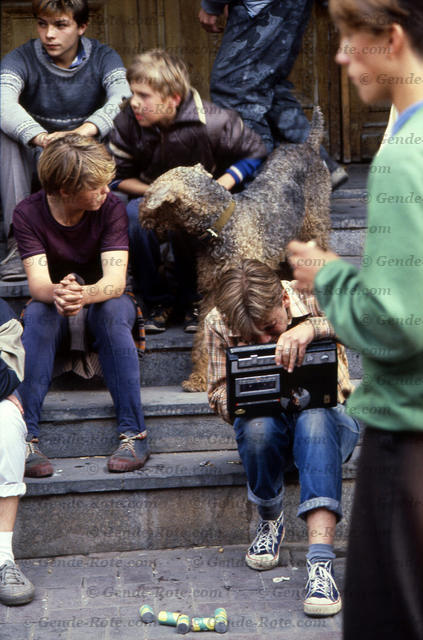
(288, 199)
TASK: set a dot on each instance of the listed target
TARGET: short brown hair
(74, 163)
(78, 8)
(378, 15)
(162, 71)
(246, 295)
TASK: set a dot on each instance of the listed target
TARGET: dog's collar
(220, 222)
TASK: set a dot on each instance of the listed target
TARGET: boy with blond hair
(163, 125)
(73, 239)
(50, 86)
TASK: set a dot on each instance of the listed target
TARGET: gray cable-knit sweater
(36, 95)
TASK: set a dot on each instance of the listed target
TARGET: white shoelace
(127, 443)
(267, 534)
(11, 574)
(31, 448)
(320, 579)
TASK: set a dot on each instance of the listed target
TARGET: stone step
(167, 359)
(167, 362)
(177, 500)
(349, 224)
(76, 423)
(356, 184)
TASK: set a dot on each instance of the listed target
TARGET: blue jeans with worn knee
(316, 441)
(109, 325)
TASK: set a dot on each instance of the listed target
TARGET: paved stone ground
(97, 597)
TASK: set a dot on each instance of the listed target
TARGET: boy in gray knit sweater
(59, 83)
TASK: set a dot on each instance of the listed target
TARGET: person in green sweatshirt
(378, 311)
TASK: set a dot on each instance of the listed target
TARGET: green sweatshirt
(378, 310)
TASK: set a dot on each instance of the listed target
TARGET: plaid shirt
(219, 337)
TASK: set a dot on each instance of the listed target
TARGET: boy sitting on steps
(163, 125)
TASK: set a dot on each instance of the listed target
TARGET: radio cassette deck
(257, 386)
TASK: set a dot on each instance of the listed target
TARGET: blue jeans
(144, 252)
(317, 441)
(109, 325)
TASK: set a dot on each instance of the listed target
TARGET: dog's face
(181, 197)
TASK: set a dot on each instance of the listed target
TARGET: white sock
(6, 552)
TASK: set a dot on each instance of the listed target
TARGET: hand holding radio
(292, 344)
(256, 385)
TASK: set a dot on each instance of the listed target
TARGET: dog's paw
(194, 383)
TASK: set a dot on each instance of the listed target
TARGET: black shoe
(37, 465)
(131, 454)
(156, 321)
(191, 320)
(263, 552)
(338, 177)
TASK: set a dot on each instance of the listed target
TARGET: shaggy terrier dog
(288, 199)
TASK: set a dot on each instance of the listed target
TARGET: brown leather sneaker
(37, 465)
(132, 453)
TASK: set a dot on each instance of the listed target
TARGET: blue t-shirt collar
(405, 116)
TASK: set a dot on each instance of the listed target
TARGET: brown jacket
(201, 132)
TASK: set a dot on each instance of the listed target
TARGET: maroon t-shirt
(73, 249)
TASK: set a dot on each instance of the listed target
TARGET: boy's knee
(312, 422)
(258, 432)
(113, 314)
(40, 318)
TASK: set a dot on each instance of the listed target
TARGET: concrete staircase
(192, 490)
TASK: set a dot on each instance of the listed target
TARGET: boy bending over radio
(254, 307)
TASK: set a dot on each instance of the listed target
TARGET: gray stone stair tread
(348, 213)
(174, 337)
(162, 471)
(171, 400)
(359, 191)
(166, 400)
(160, 400)
(356, 182)
(17, 289)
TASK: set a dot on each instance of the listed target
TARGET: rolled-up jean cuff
(12, 489)
(318, 503)
(265, 503)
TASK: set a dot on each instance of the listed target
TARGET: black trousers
(252, 66)
(384, 580)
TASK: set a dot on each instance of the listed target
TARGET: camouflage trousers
(251, 69)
